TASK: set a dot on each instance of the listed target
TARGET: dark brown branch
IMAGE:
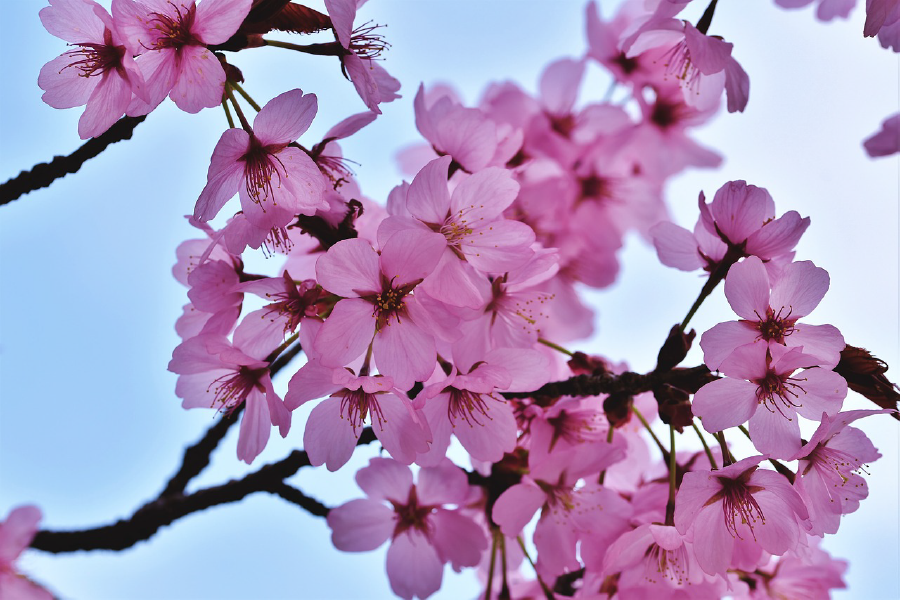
(627, 382)
(295, 496)
(148, 519)
(196, 457)
(43, 174)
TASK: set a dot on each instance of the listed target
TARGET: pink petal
(824, 342)
(719, 342)
(675, 246)
(883, 143)
(360, 525)
(747, 289)
(405, 352)
(516, 506)
(347, 332)
(413, 566)
(777, 237)
(342, 13)
(329, 437)
(825, 393)
(280, 415)
(63, 86)
(201, 80)
(442, 484)
(385, 479)
(740, 209)
(428, 199)
(255, 428)
(350, 125)
(435, 411)
(160, 70)
(217, 20)
(502, 246)
(260, 332)
(225, 174)
(493, 437)
(713, 544)
(455, 282)
(311, 382)
(725, 403)
(410, 256)
(107, 103)
(696, 489)
(350, 269)
(458, 538)
(799, 290)
(285, 117)
(73, 20)
(779, 532)
(483, 196)
(529, 369)
(775, 434)
(737, 86)
(555, 540)
(628, 550)
(400, 436)
(363, 79)
(708, 54)
(302, 183)
(559, 85)
(17, 531)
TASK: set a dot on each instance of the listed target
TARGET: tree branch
(196, 457)
(627, 382)
(148, 519)
(43, 174)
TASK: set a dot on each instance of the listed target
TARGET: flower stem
(547, 591)
(237, 109)
(609, 439)
(727, 458)
(228, 114)
(327, 49)
(556, 347)
(670, 505)
(659, 444)
(490, 577)
(246, 96)
(709, 454)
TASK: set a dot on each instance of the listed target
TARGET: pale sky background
(90, 427)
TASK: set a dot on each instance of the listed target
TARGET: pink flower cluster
(439, 314)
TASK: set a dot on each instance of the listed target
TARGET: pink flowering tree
(427, 339)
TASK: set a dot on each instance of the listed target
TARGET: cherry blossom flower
(761, 386)
(362, 46)
(171, 37)
(99, 72)
(274, 179)
(424, 534)
(379, 307)
(829, 473)
(472, 224)
(214, 373)
(16, 533)
(741, 218)
(738, 502)
(771, 318)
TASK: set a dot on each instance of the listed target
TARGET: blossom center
(260, 166)
(775, 326)
(778, 392)
(670, 564)
(366, 43)
(231, 389)
(411, 515)
(468, 406)
(174, 31)
(738, 503)
(356, 405)
(96, 59)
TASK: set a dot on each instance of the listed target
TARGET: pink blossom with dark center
(738, 502)
(829, 474)
(761, 386)
(379, 305)
(423, 532)
(100, 72)
(275, 180)
(172, 37)
(772, 317)
(214, 373)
